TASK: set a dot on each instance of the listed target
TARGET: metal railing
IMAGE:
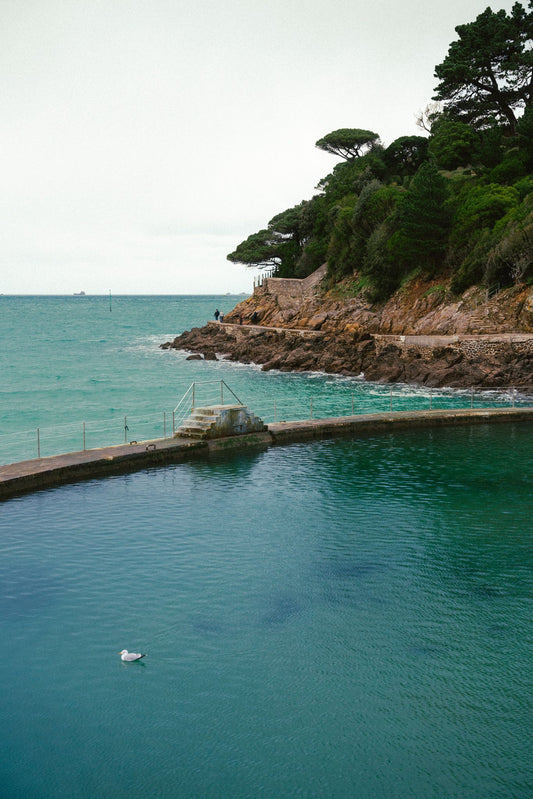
(264, 275)
(387, 399)
(198, 394)
(353, 400)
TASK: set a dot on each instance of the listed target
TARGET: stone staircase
(220, 421)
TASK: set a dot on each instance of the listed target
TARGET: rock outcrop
(421, 335)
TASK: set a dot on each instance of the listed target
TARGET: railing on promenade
(382, 399)
(349, 400)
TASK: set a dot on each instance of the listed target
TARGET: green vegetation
(457, 202)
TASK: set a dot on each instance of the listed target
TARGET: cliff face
(421, 308)
(421, 335)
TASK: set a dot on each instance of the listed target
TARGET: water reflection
(309, 613)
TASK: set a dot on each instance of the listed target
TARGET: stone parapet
(468, 345)
(292, 288)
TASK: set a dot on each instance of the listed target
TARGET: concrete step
(202, 417)
(220, 421)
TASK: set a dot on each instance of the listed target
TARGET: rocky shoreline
(425, 339)
(497, 364)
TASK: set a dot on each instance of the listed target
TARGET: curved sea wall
(33, 475)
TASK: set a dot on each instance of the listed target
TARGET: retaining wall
(469, 345)
(18, 478)
(292, 288)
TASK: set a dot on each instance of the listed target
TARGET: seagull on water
(129, 657)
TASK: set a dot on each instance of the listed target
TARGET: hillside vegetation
(456, 201)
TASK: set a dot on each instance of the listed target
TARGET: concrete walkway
(31, 475)
(425, 340)
(305, 332)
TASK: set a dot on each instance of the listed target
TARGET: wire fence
(342, 401)
(386, 399)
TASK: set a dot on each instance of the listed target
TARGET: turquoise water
(337, 619)
(72, 368)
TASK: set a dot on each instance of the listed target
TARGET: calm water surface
(335, 619)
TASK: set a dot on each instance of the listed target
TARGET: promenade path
(301, 331)
(434, 340)
(31, 475)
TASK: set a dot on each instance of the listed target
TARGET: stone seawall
(291, 288)
(470, 346)
(19, 478)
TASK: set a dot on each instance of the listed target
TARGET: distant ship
(79, 294)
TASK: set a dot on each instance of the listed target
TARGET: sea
(342, 618)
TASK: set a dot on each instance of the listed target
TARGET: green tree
(478, 208)
(380, 264)
(260, 249)
(349, 177)
(487, 74)
(422, 221)
(452, 143)
(481, 206)
(280, 244)
(348, 143)
(511, 259)
(406, 154)
(339, 253)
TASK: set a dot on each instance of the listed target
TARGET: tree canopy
(487, 74)
(347, 142)
(406, 154)
(280, 244)
(458, 202)
(259, 249)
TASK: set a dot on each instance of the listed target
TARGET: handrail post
(84, 436)
(38, 443)
(311, 409)
(193, 393)
(164, 424)
(275, 411)
(222, 392)
(173, 423)
(390, 399)
(352, 403)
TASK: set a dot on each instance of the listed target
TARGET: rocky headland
(423, 334)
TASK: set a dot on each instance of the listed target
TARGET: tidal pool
(336, 619)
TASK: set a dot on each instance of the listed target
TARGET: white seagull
(129, 657)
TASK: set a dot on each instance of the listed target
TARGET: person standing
(217, 314)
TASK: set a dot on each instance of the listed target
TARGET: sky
(142, 140)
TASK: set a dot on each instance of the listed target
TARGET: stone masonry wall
(292, 288)
(482, 346)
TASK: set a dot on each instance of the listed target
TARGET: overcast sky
(142, 140)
